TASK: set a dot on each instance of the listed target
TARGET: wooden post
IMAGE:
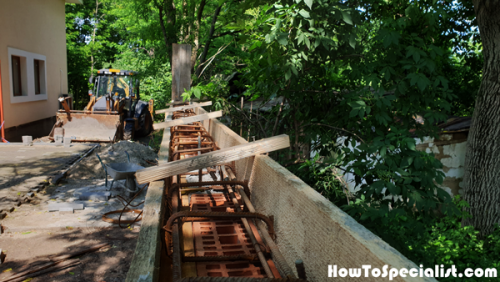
(250, 122)
(241, 125)
(181, 70)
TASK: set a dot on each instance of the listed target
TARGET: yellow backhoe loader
(115, 111)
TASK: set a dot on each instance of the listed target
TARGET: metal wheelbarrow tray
(119, 171)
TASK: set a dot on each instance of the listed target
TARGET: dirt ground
(31, 233)
(107, 264)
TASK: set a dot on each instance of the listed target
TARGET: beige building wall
(38, 27)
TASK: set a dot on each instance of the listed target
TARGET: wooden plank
(213, 158)
(146, 261)
(182, 102)
(181, 70)
(192, 106)
(187, 120)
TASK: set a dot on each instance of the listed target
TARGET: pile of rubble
(91, 168)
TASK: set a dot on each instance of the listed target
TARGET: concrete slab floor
(30, 231)
(19, 163)
(37, 217)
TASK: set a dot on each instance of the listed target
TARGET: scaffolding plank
(187, 120)
(186, 107)
(213, 158)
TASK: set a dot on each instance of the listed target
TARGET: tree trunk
(209, 41)
(482, 158)
(167, 7)
(93, 39)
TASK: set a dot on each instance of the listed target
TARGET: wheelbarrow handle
(128, 156)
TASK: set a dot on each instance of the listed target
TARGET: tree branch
(209, 40)
(336, 128)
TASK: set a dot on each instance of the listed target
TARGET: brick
(59, 206)
(66, 210)
(229, 269)
(94, 196)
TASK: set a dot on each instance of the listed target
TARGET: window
(27, 76)
(37, 76)
(16, 76)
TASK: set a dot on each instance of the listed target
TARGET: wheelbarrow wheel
(128, 131)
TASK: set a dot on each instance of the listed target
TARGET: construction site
(207, 206)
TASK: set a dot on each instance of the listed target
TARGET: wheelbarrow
(120, 171)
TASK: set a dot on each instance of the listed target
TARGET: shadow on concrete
(30, 249)
(17, 172)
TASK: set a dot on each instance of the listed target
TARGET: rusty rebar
(218, 215)
(251, 258)
(280, 259)
(249, 230)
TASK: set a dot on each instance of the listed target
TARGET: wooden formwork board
(182, 108)
(213, 158)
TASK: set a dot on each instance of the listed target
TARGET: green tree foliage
(92, 43)
(359, 80)
(365, 71)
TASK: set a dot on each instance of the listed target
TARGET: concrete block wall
(450, 149)
(308, 226)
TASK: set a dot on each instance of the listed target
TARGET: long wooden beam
(185, 102)
(187, 120)
(173, 109)
(219, 157)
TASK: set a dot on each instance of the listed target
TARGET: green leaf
(301, 38)
(411, 144)
(416, 56)
(243, 39)
(444, 82)
(383, 151)
(423, 82)
(353, 113)
(407, 161)
(294, 70)
(418, 163)
(197, 92)
(308, 43)
(347, 17)
(309, 3)
(288, 74)
(304, 13)
(352, 41)
(283, 39)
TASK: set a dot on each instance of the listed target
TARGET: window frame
(37, 75)
(17, 59)
(28, 76)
